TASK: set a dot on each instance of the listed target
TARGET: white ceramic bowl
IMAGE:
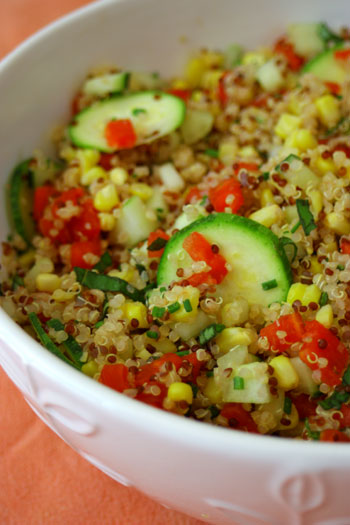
(218, 475)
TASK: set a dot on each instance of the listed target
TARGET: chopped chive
(268, 285)
(194, 389)
(210, 373)
(287, 407)
(340, 267)
(162, 289)
(210, 332)
(295, 227)
(265, 175)
(152, 334)
(187, 305)
(289, 247)
(157, 244)
(138, 111)
(106, 283)
(174, 307)
(238, 383)
(183, 352)
(204, 200)
(305, 216)
(214, 411)
(312, 434)
(98, 324)
(158, 311)
(71, 346)
(212, 153)
(103, 263)
(17, 281)
(323, 298)
(45, 339)
(346, 377)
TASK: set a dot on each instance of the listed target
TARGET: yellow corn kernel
(328, 110)
(286, 124)
(179, 83)
(212, 391)
(266, 197)
(293, 417)
(143, 354)
(284, 372)
(336, 222)
(294, 106)
(90, 368)
(254, 58)
(324, 165)
(136, 310)
(107, 221)
(212, 59)
(142, 190)
(192, 294)
(197, 95)
(126, 273)
(106, 198)
(210, 79)
(27, 258)
(312, 295)
(248, 152)
(60, 296)
(325, 316)
(67, 153)
(331, 247)
(88, 158)
(236, 335)
(180, 392)
(118, 176)
(302, 139)
(47, 282)
(316, 200)
(227, 152)
(316, 267)
(296, 292)
(268, 216)
(194, 71)
(93, 174)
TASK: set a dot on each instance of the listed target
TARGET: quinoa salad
(189, 246)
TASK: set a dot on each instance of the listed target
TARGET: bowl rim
(186, 430)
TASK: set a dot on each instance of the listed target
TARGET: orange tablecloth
(43, 481)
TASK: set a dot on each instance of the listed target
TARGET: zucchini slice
(252, 251)
(20, 201)
(153, 115)
(326, 67)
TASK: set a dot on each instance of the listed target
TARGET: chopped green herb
(238, 383)
(210, 332)
(312, 434)
(45, 339)
(183, 352)
(323, 298)
(204, 200)
(212, 153)
(157, 244)
(327, 35)
(187, 305)
(265, 175)
(287, 407)
(335, 400)
(214, 411)
(346, 377)
(268, 285)
(305, 216)
(174, 307)
(99, 323)
(17, 281)
(295, 227)
(340, 267)
(194, 389)
(138, 111)
(210, 373)
(152, 334)
(106, 283)
(289, 247)
(103, 263)
(140, 268)
(158, 311)
(72, 347)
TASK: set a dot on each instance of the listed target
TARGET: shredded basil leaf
(71, 346)
(17, 281)
(305, 216)
(287, 407)
(327, 35)
(103, 263)
(335, 400)
(212, 153)
(312, 434)
(346, 377)
(106, 283)
(157, 244)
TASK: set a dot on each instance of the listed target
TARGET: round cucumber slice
(326, 67)
(252, 251)
(153, 115)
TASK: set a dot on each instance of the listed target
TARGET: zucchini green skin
(252, 250)
(20, 201)
(164, 113)
(326, 67)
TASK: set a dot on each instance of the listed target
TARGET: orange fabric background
(43, 481)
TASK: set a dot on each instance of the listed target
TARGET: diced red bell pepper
(153, 236)
(200, 249)
(151, 399)
(79, 249)
(86, 226)
(305, 405)
(221, 90)
(193, 195)
(260, 101)
(333, 435)
(333, 87)
(200, 278)
(196, 367)
(184, 94)
(285, 48)
(342, 54)
(150, 369)
(219, 194)
(115, 376)
(291, 324)
(345, 246)
(46, 227)
(239, 418)
(319, 342)
(73, 195)
(41, 200)
(120, 134)
(249, 166)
